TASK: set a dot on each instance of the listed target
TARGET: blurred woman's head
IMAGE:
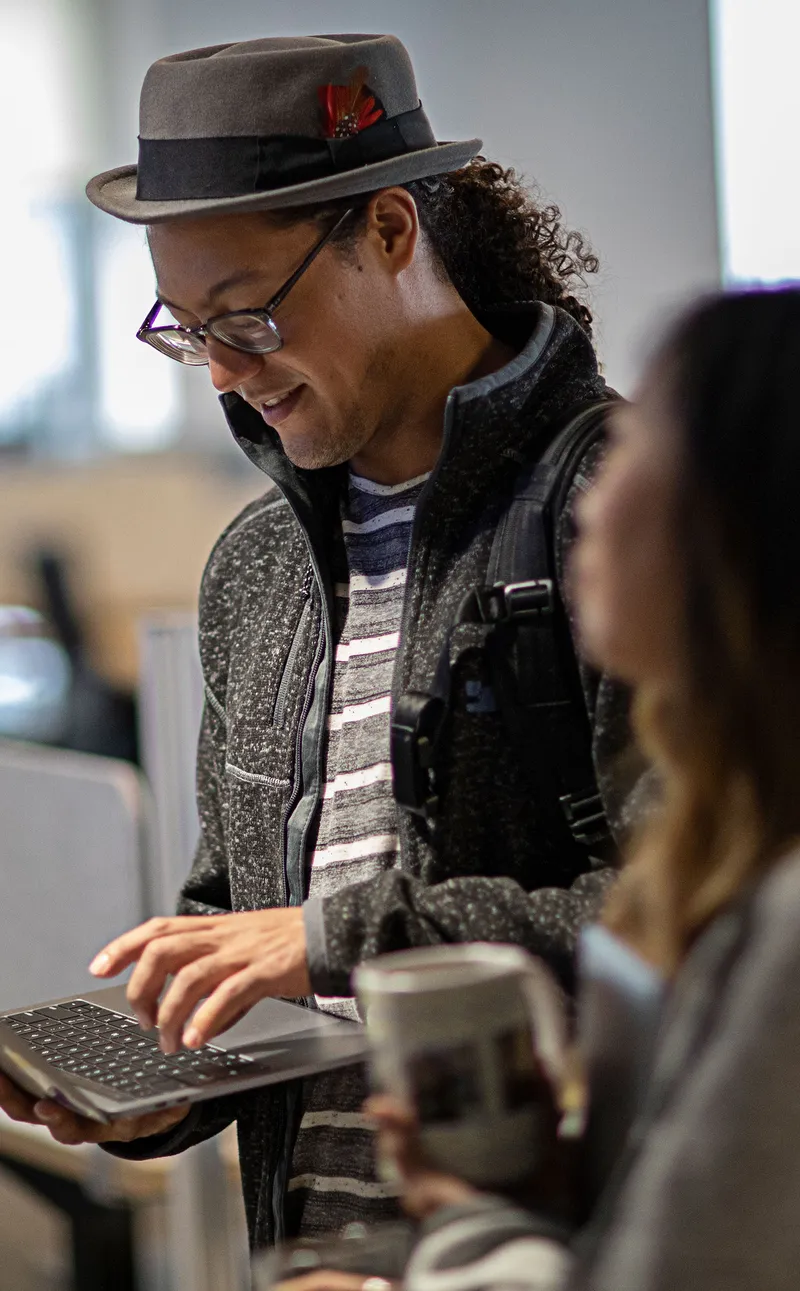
(688, 583)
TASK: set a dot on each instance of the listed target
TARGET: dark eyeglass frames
(252, 330)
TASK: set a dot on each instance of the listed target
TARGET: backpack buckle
(516, 602)
(586, 817)
(416, 723)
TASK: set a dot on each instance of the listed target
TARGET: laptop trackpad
(271, 1021)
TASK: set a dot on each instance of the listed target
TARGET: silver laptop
(89, 1053)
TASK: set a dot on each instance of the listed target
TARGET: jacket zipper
(290, 1094)
(279, 707)
(313, 573)
(307, 702)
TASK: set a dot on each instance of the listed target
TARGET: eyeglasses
(250, 330)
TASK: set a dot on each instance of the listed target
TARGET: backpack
(528, 658)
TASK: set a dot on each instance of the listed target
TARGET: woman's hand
(67, 1127)
(233, 959)
(424, 1189)
(331, 1280)
(551, 1186)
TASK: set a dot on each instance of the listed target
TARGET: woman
(688, 585)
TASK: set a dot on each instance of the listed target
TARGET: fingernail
(191, 1038)
(46, 1113)
(144, 1019)
(99, 964)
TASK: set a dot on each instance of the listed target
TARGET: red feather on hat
(348, 109)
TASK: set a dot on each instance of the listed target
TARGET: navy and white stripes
(357, 836)
(333, 1169)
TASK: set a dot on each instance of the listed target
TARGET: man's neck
(444, 353)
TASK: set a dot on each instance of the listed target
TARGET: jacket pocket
(281, 694)
(258, 754)
(259, 775)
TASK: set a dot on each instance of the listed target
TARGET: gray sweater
(708, 1198)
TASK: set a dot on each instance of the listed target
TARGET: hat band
(174, 170)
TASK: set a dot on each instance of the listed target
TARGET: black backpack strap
(530, 661)
(524, 541)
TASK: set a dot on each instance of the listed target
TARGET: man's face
(327, 391)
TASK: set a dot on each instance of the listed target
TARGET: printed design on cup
(519, 1076)
(445, 1082)
(473, 1038)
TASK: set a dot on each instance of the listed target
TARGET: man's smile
(277, 408)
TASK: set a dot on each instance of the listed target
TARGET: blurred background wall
(655, 126)
(664, 129)
(608, 107)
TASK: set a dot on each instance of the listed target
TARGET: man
(420, 344)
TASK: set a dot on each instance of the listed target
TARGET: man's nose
(230, 368)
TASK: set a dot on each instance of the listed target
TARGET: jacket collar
(555, 368)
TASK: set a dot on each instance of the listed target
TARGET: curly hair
(490, 236)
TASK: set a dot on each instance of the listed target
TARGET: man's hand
(68, 1127)
(233, 959)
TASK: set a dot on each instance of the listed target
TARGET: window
(139, 390)
(755, 47)
(76, 284)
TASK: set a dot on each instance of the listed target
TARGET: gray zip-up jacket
(499, 869)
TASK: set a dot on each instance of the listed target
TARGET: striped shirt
(357, 835)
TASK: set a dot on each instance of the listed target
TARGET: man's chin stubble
(316, 456)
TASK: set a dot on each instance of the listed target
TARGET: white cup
(463, 1034)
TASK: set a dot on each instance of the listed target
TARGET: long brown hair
(726, 740)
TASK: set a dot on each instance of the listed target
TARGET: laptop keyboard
(110, 1048)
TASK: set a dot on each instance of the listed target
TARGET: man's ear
(393, 228)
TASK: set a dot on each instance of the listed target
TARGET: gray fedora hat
(272, 123)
